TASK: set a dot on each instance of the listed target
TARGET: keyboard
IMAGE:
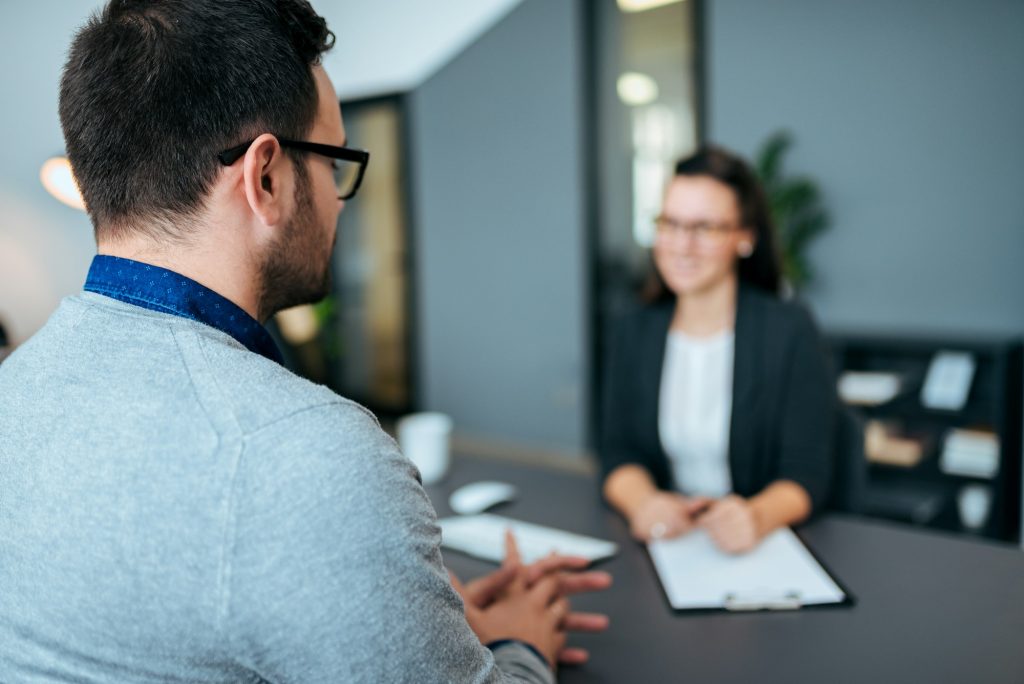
(483, 536)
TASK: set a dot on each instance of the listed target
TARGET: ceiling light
(59, 181)
(641, 5)
(636, 89)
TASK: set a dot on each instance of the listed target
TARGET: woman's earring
(745, 249)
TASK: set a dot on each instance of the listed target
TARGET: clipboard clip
(747, 602)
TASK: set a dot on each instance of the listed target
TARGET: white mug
(425, 440)
(974, 501)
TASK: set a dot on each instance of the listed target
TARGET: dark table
(930, 607)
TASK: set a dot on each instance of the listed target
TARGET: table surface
(930, 607)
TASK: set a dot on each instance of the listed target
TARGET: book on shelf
(863, 388)
(970, 453)
(884, 445)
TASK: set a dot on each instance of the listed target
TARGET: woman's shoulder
(782, 315)
(643, 315)
(639, 323)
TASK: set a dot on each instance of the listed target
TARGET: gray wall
(45, 247)
(496, 146)
(911, 115)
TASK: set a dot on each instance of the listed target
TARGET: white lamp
(636, 89)
(298, 325)
(641, 5)
(59, 181)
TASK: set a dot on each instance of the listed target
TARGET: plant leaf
(769, 161)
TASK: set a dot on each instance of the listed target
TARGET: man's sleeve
(332, 569)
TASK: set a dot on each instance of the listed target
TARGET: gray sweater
(175, 508)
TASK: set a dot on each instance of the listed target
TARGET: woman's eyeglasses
(707, 234)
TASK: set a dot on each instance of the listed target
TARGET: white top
(695, 409)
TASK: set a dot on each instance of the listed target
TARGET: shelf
(923, 492)
(983, 416)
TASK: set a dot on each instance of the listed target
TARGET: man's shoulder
(261, 392)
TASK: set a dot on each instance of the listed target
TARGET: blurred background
(520, 148)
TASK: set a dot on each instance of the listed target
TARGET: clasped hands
(731, 522)
(529, 603)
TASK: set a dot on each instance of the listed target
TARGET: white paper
(695, 574)
(483, 536)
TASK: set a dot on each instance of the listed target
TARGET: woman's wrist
(780, 504)
(763, 522)
(629, 488)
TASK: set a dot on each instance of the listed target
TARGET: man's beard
(296, 270)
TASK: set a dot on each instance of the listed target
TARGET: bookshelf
(954, 467)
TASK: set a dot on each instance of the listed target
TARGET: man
(175, 505)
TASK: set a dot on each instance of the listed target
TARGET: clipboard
(781, 574)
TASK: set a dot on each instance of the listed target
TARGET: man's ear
(267, 178)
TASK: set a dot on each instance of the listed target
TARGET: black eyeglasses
(349, 165)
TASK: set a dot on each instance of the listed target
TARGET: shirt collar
(159, 289)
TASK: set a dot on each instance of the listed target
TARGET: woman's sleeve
(617, 399)
(808, 414)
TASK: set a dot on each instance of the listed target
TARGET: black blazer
(783, 405)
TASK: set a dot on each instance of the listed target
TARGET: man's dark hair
(154, 89)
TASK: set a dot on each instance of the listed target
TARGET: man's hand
(530, 614)
(731, 524)
(570, 577)
(664, 515)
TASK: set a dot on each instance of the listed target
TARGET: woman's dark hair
(153, 90)
(762, 268)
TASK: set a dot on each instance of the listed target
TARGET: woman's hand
(732, 524)
(665, 514)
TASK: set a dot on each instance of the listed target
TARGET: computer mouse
(477, 497)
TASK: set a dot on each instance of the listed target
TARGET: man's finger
(559, 610)
(554, 563)
(546, 591)
(576, 583)
(585, 622)
(482, 590)
(514, 560)
(573, 656)
(511, 549)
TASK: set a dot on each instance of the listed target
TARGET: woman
(720, 405)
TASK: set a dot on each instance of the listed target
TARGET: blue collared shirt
(159, 289)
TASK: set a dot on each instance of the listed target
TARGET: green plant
(795, 205)
(326, 313)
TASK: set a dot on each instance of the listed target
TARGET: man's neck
(215, 269)
(707, 312)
